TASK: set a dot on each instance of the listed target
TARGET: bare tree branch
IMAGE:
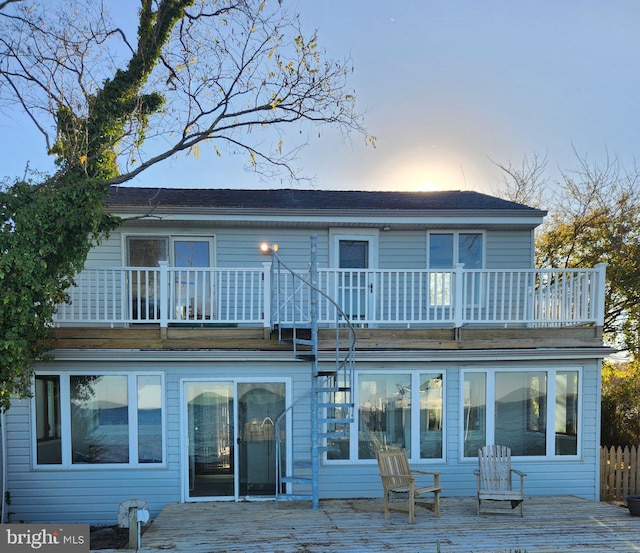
(232, 72)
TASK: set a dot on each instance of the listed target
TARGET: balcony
(371, 298)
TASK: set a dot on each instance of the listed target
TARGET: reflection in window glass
(353, 254)
(144, 292)
(191, 253)
(475, 424)
(441, 251)
(521, 412)
(470, 250)
(47, 392)
(431, 395)
(147, 252)
(149, 419)
(384, 413)
(338, 447)
(440, 257)
(566, 422)
(99, 419)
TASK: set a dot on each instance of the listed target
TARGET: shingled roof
(296, 199)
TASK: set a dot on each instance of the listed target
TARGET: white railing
(165, 295)
(374, 297)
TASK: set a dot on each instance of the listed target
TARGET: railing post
(315, 452)
(601, 280)
(458, 300)
(266, 293)
(164, 293)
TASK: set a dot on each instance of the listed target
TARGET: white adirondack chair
(494, 477)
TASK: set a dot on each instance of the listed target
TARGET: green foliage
(46, 235)
(596, 218)
(49, 227)
(88, 144)
(225, 67)
(620, 404)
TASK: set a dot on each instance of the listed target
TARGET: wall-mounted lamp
(268, 248)
(386, 229)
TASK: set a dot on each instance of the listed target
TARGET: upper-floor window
(192, 290)
(180, 251)
(445, 251)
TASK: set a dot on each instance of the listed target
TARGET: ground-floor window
(534, 412)
(85, 418)
(403, 409)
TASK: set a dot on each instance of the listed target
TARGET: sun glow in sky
(449, 88)
(427, 170)
(429, 187)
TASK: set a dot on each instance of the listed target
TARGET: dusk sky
(447, 86)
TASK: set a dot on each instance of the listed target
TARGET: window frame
(65, 422)
(456, 245)
(550, 428)
(441, 282)
(415, 375)
(170, 239)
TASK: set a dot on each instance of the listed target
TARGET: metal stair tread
(336, 421)
(333, 389)
(332, 434)
(336, 405)
(302, 341)
(297, 479)
(294, 497)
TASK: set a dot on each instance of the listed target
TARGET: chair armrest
(518, 472)
(431, 472)
(434, 473)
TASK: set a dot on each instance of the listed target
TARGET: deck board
(550, 524)
(372, 339)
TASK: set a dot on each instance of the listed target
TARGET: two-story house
(198, 362)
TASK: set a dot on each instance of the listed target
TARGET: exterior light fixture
(268, 248)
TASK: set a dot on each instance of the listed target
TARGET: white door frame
(370, 236)
(184, 434)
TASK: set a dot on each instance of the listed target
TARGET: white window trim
(551, 373)
(414, 374)
(171, 238)
(65, 422)
(456, 239)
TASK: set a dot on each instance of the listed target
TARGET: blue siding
(397, 249)
(91, 495)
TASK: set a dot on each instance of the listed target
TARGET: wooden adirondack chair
(398, 478)
(494, 477)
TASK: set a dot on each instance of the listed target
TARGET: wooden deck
(550, 524)
(178, 338)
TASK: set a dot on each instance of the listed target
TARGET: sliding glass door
(230, 451)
